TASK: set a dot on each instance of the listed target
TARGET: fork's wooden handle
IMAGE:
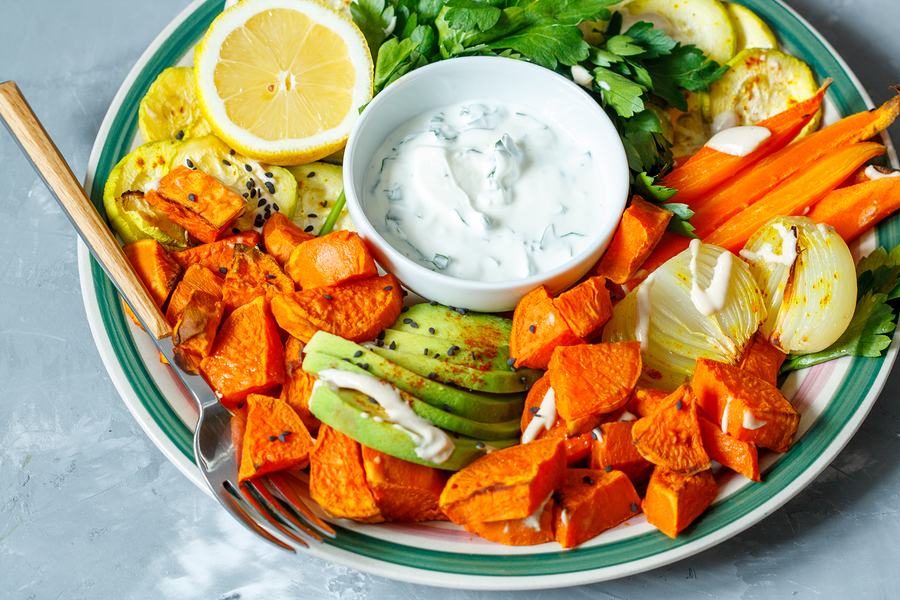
(52, 167)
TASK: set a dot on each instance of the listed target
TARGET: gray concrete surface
(89, 508)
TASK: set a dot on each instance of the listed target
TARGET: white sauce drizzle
(533, 521)
(626, 417)
(153, 184)
(711, 300)
(751, 422)
(724, 120)
(564, 517)
(824, 228)
(432, 444)
(873, 173)
(725, 415)
(545, 417)
(642, 328)
(767, 254)
(739, 141)
(364, 415)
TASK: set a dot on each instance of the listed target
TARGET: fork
(268, 506)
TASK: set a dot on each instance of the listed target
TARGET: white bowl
(486, 78)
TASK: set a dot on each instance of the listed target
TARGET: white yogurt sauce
(545, 417)
(873, 173)
(711, 300)
(432, 444)
(751, 422)
(766, 252)
(739, 141)
(642, 328)
(484, 191)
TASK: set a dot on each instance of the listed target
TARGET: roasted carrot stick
(854, 209)
(793, 196)
(708, 169)
(753, 184)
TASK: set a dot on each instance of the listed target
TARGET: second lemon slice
(282, 81)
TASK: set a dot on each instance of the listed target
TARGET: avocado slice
(462, 327)
(344, 410)
(455, 352)
(477, 406)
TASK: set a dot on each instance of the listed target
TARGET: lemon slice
(749, 29)
(170, 105)
(282, 81)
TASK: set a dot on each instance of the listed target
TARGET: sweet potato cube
(216, 256)
(159, 272)
(645, 401)
(640, 229)
(507, 484)
(591, 502)
(747, 407)
(586, 307)
(673, 501)
(253, 274)
(671, 436)
(356, 310)
(195, 331)
(763, 359)
(613, 450)
(533, 529)
(729, 451)
(196, 201)
(329, 260)
(195, 278)
(592, 380)
(298, 384)
(404, 491)
(247, 356)
(275, 438)
(537, 330)
(337, 478)
(280, 236)
(577, 448)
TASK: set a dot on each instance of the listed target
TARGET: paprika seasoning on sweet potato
(247, 356)
(506, 484)
(298, 384)
(196, 278)
(197, 201)
(216, 256)
(195, 331)
(671, 436)
(356, 310)
(673, 501)
(329, 260)
(591, 380)
(590, 502)
(159, 271)
(337, 478)
(403, 491)
(280, 236)
(275, 438)
(253, 274)
(533, 529)
(747, 407)
(640, 229)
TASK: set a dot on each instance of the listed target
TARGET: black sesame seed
(245, 195)
(510, 361)
(436, 355)
(365, 366)
(241, 404)
(473, 354)
(248, 168)
(426, 352)
(312, 215)
(431, 330)
(192, 197)
(462, 311)
(387, 288)
(373, 400)
(357, 354)
(272, 438)
(251, 182)
(231, 152)
(446, 408)
(532, 328)
(262, 202)
(523, 379)
(393, 346)
(308, 228)
(325, 204)
(179, 135)
(223, 270)
(270, 187)
(433, 303)
(679, 406)
(407, 320)
(327, 297)
(281, 438)
(347, 359)
(269, 175)
(275, 207)
(260, 248)
(226, 163)
(608, 468)
(414, 325)
(634, 507)
(253, 193)
(379, 343)
(432, 376)
(269, 276)
(479, 445)
(189, 164)
(235, 230)
(587, 480)
(258, 221)
(593, 434)
(250, 185)
(381, 335)
(286, 432)
(404, 309)
(533, 410)
(456, 435)
(311, 174)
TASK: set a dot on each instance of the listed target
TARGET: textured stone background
(89, 508)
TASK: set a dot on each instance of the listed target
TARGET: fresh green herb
(333, 215)
(643, 185)
(878, 284)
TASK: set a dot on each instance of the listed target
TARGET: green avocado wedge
(461, 327)
(344, 410)
(454, 352)
(477, 406)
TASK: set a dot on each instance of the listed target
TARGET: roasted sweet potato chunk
(247, 356)
(280, 236)
(645, 401)
(592, 380)
(159, 272)
(590, 502)
(533, 529)
(216, 256)
(586, 307)
(673, 501)
(195, 278)
(196, 201)
(275, 438)
(747, 407)
(357, 310)
(671, 436)
(195, 331)
(729, 451)
(577, 448)
(640, 230)
(253, 274)
(763, 359)
(403, 491)
(507, 484)
(329, 260)
(298, 383)
(537, 329)
(337, 478)
(613, 449)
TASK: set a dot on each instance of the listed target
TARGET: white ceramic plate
(442, 554)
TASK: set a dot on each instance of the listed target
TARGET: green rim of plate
(798, 39)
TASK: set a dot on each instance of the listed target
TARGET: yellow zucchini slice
(703, 23)
(751, 31)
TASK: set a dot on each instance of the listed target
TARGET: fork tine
(231, 501)
(281, 484)
(271, 516)
(281, 509)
